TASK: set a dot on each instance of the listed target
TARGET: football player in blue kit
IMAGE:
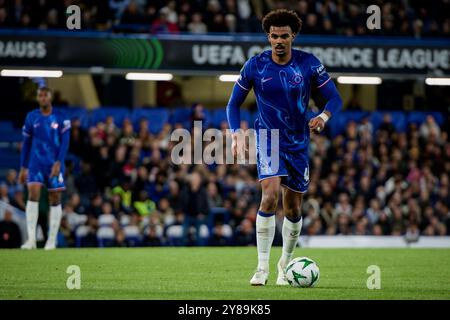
(281, 79)
(46, 136)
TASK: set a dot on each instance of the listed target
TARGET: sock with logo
(32, 213)
(265, 232)
(291, 232)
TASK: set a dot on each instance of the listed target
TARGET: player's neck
(47, 110)
(282, 60)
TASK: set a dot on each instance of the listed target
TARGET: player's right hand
(23, 173)
(238, 148)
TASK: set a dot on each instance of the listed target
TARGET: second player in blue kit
(46, 136)
(281, 79)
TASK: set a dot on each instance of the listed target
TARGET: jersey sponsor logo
(320, 69)
(36, 125)
(263, 80)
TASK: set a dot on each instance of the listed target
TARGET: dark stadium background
(381, 168)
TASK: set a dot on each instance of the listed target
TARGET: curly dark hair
(281, 18)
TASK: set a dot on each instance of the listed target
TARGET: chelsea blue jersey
(282, 94)
(46, 134)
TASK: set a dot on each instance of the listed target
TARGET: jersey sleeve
(320, 75)
(65, 138)
(245, 80)
(27, 131)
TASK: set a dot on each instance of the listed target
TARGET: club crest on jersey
(296, 79)
(54, 125)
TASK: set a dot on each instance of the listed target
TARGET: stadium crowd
(364, 181)
(399, 18)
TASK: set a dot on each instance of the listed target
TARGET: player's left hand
(316, 124)
(55, 169)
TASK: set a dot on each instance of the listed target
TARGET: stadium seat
(376, 118)
(218, 116)
(175, 235)
(6, 125)
(106, 220)
(418, 117)
(181, 116)
(75, 220)
(342, 119)
(124, 220)
(228, 234)
(218, 213)
(76, 113)
(399, 120)
(61, 240)
(133, 236)
(156, 117)
(10, 135)
(105, 237)
(247, 116)
(204, 234)
(9, 158)
(118, 113)
(81, 235)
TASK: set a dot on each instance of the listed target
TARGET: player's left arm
(65, 140)
(333, 105)
(327, 88)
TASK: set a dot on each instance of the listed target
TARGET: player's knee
(54, 198)
(269, 202)
(33, 196)
(292, 213)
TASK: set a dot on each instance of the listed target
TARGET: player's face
(44, 98)
(280, 39)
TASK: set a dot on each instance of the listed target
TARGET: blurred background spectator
(400, 18)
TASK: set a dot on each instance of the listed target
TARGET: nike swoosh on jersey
(265, 79)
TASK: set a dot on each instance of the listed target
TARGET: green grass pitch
(219, 273)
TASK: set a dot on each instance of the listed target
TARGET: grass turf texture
(219, 273)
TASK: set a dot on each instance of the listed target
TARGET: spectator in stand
(197, 25)
(163, 25)
(195, 205)
(132, 14)
(245, 234)
(411, 19)
(10, 236)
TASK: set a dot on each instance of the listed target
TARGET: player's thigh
(35, 181)
(292, 202)
(270, 191)
(34, 191)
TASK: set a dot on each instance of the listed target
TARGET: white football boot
(29, 245)
(50, 245)
(259, 278)
(281, 278)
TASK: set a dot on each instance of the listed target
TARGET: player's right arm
(240, 91)
(27, 131)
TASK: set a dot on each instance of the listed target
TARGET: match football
(224, 157)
